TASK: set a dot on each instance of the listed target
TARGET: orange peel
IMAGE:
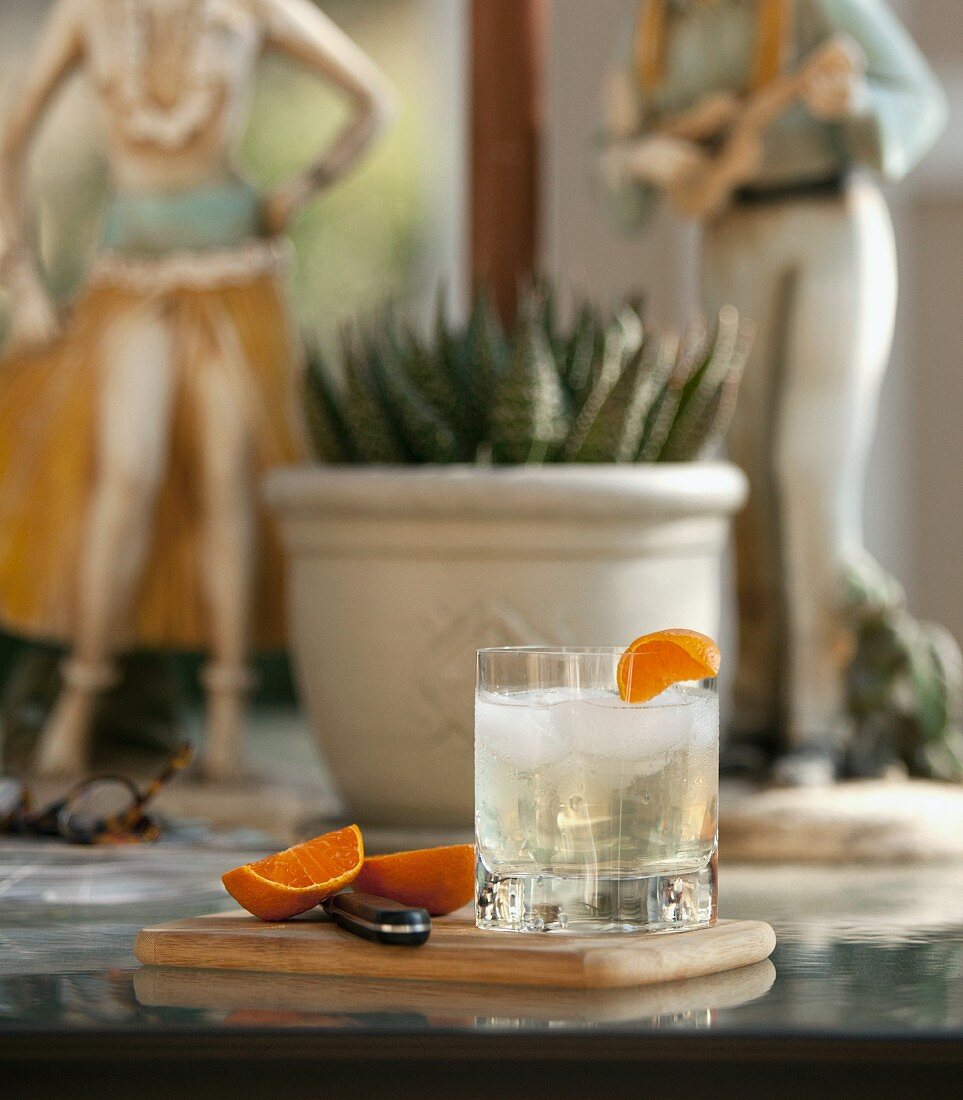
(440, 880)
(655, 662)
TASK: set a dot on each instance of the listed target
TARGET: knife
(379, 919)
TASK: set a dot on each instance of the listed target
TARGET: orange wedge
(655, 662)
(440, 880)
(299, 878)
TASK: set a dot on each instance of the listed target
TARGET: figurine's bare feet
(64, 748)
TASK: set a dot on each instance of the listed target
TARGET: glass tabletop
(862, 951)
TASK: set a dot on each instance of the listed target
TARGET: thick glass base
(584, 904)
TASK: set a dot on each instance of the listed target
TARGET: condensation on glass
(592, 814)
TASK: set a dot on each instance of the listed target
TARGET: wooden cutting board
(456, 952)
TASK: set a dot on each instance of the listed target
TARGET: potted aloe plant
(483, 487)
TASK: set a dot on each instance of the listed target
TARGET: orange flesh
(299, 878)
(655, 662)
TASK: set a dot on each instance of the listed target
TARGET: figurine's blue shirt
(710, 48)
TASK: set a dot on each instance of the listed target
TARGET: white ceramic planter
(399, 574)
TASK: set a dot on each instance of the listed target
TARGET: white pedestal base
(873, 821)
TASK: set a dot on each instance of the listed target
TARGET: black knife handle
(380, 919)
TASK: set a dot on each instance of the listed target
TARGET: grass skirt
(49, 406)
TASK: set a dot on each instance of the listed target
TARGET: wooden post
(507, 53)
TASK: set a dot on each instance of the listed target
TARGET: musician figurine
(756, 116)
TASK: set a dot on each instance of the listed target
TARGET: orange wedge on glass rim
(299, 878)
(655, 662)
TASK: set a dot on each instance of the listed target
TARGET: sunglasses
(107, 809)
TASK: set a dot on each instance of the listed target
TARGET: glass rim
(556, 651)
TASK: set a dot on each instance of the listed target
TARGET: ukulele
(708, 190)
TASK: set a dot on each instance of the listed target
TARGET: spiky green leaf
(529, 416)
(709, 428)
(686, 355)
(325, 421)
(470, 394)
(426, 435)
(700, 395)
(372, 433)
(594, 434)
(488, 355)
(583, 356)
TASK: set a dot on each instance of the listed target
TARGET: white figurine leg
(838, 342)
(228, 534)
(134, 418)
(819, 279)
(744, 263)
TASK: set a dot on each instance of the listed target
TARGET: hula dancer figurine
(755, 117)
(134, 429)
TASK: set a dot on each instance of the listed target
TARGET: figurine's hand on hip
(283, 205)
(278, 211)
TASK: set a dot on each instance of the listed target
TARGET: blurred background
(397, 228)
(401, 224)
(392, 230)
(914, 507)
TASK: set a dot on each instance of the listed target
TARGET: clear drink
(592, 814)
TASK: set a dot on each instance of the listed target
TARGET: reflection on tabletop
(881, 950)
(284, 1000)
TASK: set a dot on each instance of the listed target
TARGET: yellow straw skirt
(49, 407)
